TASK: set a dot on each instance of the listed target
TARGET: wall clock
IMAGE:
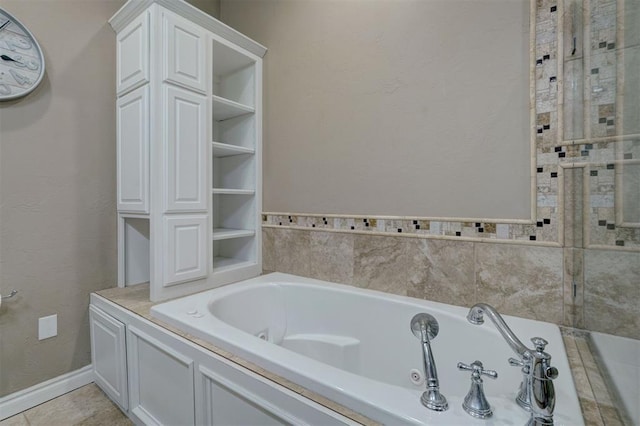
(21, 59)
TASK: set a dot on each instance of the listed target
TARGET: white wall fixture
(189, 149)
(47, 327)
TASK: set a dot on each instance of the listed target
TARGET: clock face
(21, 59)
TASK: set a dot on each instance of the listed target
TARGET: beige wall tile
(612, 292)
(450, 272)
(331, 256)
(390, 264)
(268, 249)
(573, 274)
(291, 251)
(524, 281)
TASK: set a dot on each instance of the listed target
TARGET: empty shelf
(223, 109)
(221, 264)
(227, 191)
(226, 150)
(226, 233)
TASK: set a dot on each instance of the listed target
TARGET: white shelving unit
(235, 146)
(188, 203)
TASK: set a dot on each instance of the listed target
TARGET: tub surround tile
(389, 264)
(524, 281)
(600, 390)
(291, 252)
(611, 291)
(450, 272)
(331, 256)
(573, 291)
(591, 413)
(611, 415)
(268, 250)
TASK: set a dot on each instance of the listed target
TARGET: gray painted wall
(57, 189)
(417, 108)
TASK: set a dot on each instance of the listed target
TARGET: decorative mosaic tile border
(418, 226)
(601, 154)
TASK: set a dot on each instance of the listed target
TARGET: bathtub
(355, 347)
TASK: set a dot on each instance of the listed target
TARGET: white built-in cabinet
(159, 378)
(189, 135)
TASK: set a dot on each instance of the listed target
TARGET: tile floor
(86, 406)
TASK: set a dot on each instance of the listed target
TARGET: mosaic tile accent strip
(542, 231)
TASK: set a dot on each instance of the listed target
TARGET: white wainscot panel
(108, 355)
(160, 381)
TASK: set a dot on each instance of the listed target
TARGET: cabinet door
(185, 150)
(108, 355)
(184, 52)
(160, 381)
(133, 151)
(133, 54)
(185, 256)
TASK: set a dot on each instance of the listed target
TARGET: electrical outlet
(47, 327)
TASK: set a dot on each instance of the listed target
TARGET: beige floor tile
(86, 406)
(17, 420)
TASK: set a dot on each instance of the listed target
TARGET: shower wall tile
(331, 256)
(612, 292)
(524, 281)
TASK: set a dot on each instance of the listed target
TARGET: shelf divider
(226, 150)
(224, 109)
(227, 233)
(229, 191)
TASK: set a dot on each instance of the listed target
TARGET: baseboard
(20, 401)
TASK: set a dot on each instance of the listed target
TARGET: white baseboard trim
(20, 401)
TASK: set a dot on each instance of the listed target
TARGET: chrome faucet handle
(523, 397)
(477, 368)
(539, 343)
(475, 403)
(514, 362)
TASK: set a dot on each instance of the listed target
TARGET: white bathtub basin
(355, 347)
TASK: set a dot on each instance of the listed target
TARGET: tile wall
(577, 262)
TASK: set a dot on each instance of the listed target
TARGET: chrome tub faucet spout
(536, 393)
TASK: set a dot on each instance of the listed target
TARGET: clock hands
(9, 58)
(5, 24)
(30, 64)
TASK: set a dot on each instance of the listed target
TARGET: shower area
(598, 155)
